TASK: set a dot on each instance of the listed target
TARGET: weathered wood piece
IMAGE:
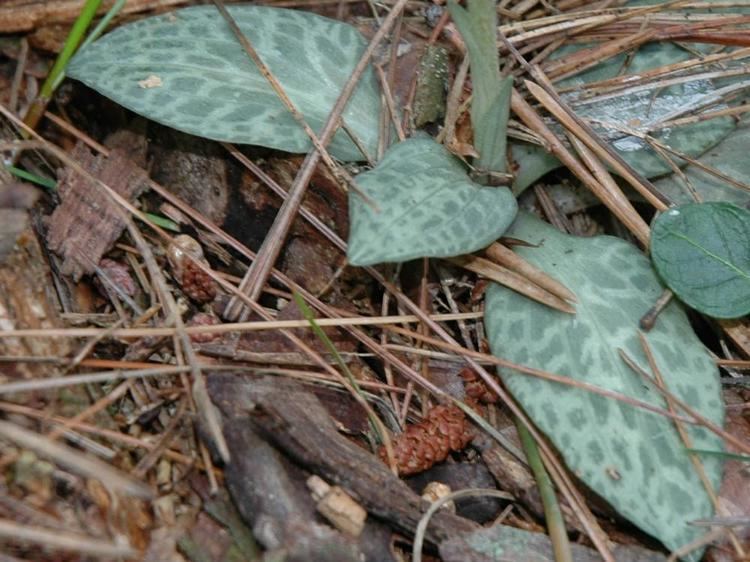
(27, 300)
(87, 222)
(277, 505)
(295, 421)
(24, 15)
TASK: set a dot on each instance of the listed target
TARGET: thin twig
(256, 276)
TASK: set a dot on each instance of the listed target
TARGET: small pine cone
(424, 444)
(475, 387)
(195, 282)
(203, 319)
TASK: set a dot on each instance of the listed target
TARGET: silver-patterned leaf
(633, 458)
(424, 205)
(185, 69)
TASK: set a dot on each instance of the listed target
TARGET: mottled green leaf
(424, 205)
(502, 543)
(185, 69)
(632, 458)
(702, 252)
(643, 109)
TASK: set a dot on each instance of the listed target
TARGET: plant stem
(36, 110)
(552, 513)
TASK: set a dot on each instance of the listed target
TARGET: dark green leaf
(702, 251)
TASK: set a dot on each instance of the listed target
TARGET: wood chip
(87, 222)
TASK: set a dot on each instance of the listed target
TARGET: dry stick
(726, 112)
(236, 327)
(74, 461)
(279, 90)
(389, 102)
(116, 436)
(508, 258)
(512, 280)
(558, 70)
(630, 89)
(256, 276)
(570, 121)
(487, 359)
(631, 219)
(697, 464)
(199, 392)
(629, 80)
(63, 540)
(534, 122)
(648, 320)
(697, 417)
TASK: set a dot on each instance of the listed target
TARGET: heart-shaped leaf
(187, 70)
(633, 458)
(423, 204)
(702, 252)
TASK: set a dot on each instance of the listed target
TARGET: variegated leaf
(186, 69)
(633, 458)
(422, 203)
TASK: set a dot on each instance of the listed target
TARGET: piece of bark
(23, 15)
(271, 496)
(87, 222)
(501, 543)
(27, 300)
(296, 422)
(15, 199)
(734, 494)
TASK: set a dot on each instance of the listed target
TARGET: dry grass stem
(512, 280)
(56, 539)
(236, 327)
(508, 258)
(73, 460)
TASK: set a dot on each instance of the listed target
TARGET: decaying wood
(295, 422)
(27, 300)
(271, 495)
(25, 15)
(87, 222)
(276, 505)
